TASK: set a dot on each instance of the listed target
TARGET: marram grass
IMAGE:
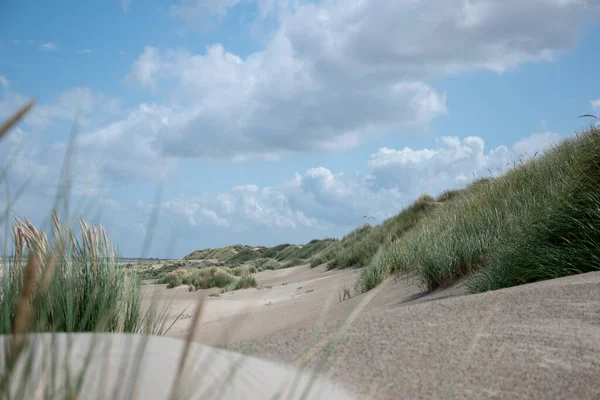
(66, 283)
(537, 221)
(77, 284)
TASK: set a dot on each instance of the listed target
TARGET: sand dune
(534, 341)
(395, 342)
(213, 373)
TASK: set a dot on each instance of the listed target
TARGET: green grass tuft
(359, 247)
(75, 283)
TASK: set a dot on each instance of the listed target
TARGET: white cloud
(145, 67)
(122, 157)
(527, 147)
(455, 162)
(323, 200)
(337, 72)
(49, 46)
(101, 160)
(596, 105)
(270, 103)
(95, 108)
(4, 82)
(84, 51)
(203, 14)
(105, 154)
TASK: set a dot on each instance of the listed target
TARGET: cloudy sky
(269, 121)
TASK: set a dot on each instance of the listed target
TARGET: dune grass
(293, 263)
(286, 254)
(207, 278)
(263, 264)
(305, 252)
(347, 252)
(69, 283)
(66, 283)
(538, 221)
(75, 281)
(359, 247)
(180, 272)
(156, 273)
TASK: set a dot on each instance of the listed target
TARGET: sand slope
(213, 373)
(291, 297)
(395, 342)
(534, 341)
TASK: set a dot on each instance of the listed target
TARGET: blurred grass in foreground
(69, 288)
(68, 283)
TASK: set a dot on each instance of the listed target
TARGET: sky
(191, 124)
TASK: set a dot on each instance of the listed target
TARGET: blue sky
(271, 121)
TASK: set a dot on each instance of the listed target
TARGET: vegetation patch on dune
(207, 278)
(359, 247)
(235, 255)
(236, 260)
(539, 220)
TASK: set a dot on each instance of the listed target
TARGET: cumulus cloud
(453, 164)
(94, 107)
(123, 157)
(322, 199)
(243, 208)
(415, 40)
(335, 73)
(247, 208)
(104, 155)
(270, 103)
(144, 68)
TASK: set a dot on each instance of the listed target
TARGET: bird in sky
(366, 216)
(588, 115)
